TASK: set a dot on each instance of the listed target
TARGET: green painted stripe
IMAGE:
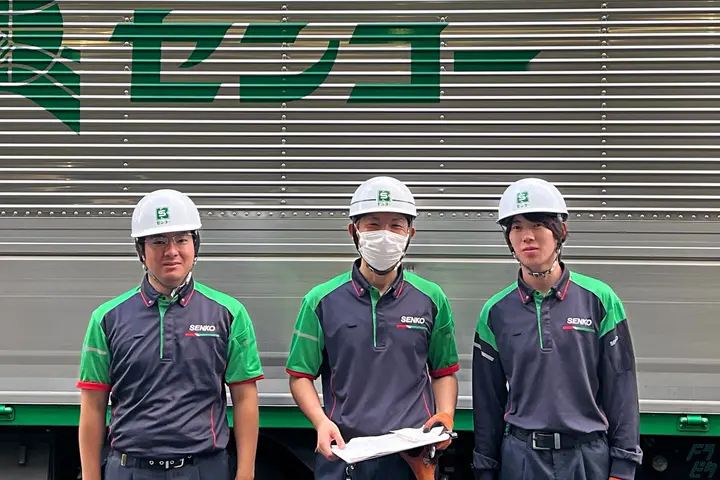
(292, 417)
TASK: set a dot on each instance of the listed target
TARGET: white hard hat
(382, 194)
(164, 211)
(531, 195)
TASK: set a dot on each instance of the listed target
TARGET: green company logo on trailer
(40, 68)
(33, 62)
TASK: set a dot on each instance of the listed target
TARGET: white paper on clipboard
(366, 448)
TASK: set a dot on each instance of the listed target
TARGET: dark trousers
(210, 467)
(390, 467)
(586, 461)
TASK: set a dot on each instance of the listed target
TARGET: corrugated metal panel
(617, 106)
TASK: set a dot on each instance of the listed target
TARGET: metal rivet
(282, 214)
(282, 202)
(283, 165)
(259, 213)
(307, 214)
(294, 214)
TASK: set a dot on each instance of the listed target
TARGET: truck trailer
(270, 113)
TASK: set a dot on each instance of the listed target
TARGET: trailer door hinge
(693, 423)
(7, 414)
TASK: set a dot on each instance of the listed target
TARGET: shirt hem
(93, 386)
(295, 373)
(249, 380)
(445, 371)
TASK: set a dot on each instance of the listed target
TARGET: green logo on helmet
(522, 199)
(383, 198)
(33, 62)
(162, 216)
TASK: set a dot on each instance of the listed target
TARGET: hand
(242, 476)
(327, 431)
(438, 419)
(614, 478)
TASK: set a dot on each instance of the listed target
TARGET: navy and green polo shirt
(166, 362)
(375, 354)
(568, 358)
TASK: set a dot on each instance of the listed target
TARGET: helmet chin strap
(173, 289)
(543, 273)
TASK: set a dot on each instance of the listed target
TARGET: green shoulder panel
(614, 309)
(442, 355)
(483, 328)
(317, 293)
(427, 287)
(307, 343)
(96, 356)
(243, 362)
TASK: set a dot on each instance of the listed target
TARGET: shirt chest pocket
(202, 354)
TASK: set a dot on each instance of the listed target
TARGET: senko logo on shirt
(412, 322)
(583, 324)
(201, 331)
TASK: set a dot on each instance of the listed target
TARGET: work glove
(419, 458)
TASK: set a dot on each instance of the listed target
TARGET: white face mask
(382, 249)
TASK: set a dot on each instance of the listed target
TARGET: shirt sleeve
(619, 391)
(306, 347)
(243, 363)
(443, 355)
(489, 397)
(95, 357)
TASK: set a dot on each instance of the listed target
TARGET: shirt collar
(150, 295)
(559, 289)
(362, 286)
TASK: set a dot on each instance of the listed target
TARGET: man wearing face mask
(381, 338)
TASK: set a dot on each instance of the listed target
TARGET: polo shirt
(166, 362)
(568, 358)
(376, 354)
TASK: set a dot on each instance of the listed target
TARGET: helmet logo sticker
(522, 199)
(162, 216)
(383, 198)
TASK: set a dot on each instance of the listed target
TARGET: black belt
(165, 463)
(538, 440)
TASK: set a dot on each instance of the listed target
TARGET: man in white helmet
(381, 338)
(163, 352)
(561, 342)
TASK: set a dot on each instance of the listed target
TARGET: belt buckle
(168, 464)
(556, 441)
